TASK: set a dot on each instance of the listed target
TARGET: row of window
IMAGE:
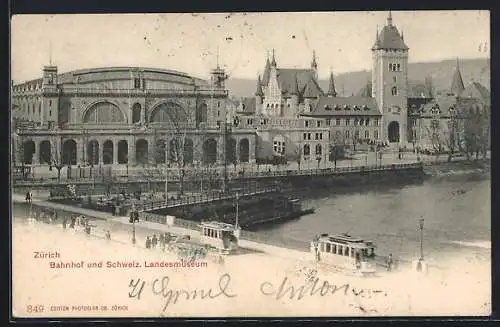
(307, 149)
(394, 67)
(309, 123)
(25, 108)
(317, 136)
(337, 249)
(347, 134)
(356, 121)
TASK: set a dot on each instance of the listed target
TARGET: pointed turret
(314, 63)
(259, 91)
(457, 84)
(267, 71)
(331, 89)
(273, 61)
(389, 19)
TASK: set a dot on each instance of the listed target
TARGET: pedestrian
(154, 241)
(162, 240)
(389, 262)
(27, 198)
(64, 223)
(148, 243)
(108, 235)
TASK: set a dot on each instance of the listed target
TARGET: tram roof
(344, 239)
(218, 225)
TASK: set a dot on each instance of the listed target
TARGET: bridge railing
(199, 198)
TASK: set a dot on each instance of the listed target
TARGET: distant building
(436, 124)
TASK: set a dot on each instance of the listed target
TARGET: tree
(476, 131)
(435, 136)
(180, 149)
(56, 155)
(336, 149)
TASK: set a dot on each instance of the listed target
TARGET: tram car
(219, 235)
(345, 252)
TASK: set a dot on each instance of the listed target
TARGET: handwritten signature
(284, 290)
(160, 287)
(312, 287)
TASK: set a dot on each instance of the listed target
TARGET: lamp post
(421, 226)
(166, 173)
(133, 225)
(237, 210)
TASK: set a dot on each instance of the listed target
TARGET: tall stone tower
(390, 82)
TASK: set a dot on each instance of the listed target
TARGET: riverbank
(457, 167)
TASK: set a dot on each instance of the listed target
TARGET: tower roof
(273, 61)
(389, 37)
(457, 83)
(331, 88)
(267, 71)
(259, 91)
(314, 63)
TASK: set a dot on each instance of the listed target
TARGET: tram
(346, 252)
(222, 236)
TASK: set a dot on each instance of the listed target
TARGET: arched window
(136, 113)
(103, 112)
(169, 113)
(307, 150)
(394, 90)
(319, 149)
(398, 67)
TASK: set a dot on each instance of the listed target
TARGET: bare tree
(476, 131)
(435, 136)
(56, 155)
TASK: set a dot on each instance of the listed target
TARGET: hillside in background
(441, 72)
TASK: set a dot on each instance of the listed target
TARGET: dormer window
(346, 107)
(336, 107)
(355, 107)
(365, 107)
(327, 107)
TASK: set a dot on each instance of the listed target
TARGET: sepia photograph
(249, 165)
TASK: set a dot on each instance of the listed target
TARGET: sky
(190, 42)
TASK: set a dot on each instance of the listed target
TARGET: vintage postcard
(251, 164)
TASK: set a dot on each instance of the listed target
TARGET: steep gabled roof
(457, 83)
(345, 106)
(366, 91)
(305, 82)
(478, 91)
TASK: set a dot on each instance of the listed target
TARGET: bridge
(194, 200)
(193, 175)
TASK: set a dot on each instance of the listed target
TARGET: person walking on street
(162, 241)
(154, 241)
(108, 235)
(148, 243)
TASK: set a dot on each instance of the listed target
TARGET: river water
(455, 209)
